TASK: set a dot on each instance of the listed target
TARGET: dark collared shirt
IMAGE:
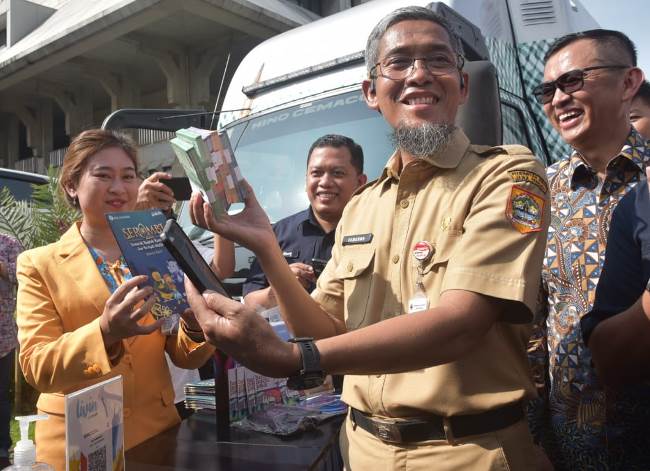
(627, 260)
(582, 426)
(301, 238)
(625, 273)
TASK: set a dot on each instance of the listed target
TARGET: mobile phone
(318, 264)
(180, 186)
(189, 259)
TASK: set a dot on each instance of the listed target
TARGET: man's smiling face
(421, 96)
(331, 180)
(584, 117)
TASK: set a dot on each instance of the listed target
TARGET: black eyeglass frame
(543, 97)
(460, 63)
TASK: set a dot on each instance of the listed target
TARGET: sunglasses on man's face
(569, 82)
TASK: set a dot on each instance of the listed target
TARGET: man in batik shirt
(590, 80)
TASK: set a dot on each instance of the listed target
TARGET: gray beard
(424, 140)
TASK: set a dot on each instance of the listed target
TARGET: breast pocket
(356, 270)
(444, 248)
(291, 255)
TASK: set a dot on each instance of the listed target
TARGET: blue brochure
(138, 235)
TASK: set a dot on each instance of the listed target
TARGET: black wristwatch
(311, 375)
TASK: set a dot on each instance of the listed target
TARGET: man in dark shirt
(627, 262)
(334, 172)
(617, 329)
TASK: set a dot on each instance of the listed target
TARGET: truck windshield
(271, 149)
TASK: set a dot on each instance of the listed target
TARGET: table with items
(193, 445)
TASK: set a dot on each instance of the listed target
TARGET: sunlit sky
(629, 16)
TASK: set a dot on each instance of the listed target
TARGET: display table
(192, 445)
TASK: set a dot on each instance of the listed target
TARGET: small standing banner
(94, 427)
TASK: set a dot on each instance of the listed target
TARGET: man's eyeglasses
(569, 82)
(400, 67)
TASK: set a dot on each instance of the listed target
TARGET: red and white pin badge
(422, 251)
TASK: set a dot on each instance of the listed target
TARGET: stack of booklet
(209, 163)
(249, 392)
(200, 395)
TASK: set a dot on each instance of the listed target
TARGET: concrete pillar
(201, 65)
(121, 86)
(81, 116)
(129, 93)
(172, 60)
(110, 83)
(13, 145)
(4, 142)
(29, 116)
(175, 66)
(76, 104)
(46, 120)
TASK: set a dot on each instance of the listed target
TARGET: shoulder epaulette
(510, 149)
(364, 186)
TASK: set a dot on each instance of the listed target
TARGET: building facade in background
(67, 64)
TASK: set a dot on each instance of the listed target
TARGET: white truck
(299, 85)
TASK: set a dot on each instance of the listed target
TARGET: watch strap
(310, 355)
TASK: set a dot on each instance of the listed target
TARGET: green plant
(16, 218)
(40, 221)
(51, 214)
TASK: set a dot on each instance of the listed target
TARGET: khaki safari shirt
(485, 211)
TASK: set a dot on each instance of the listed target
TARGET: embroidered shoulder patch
(525, 210)
(526, 176)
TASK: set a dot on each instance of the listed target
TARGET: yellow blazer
(61, 295)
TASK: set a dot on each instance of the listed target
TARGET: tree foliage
(16, 218)
(40, 221)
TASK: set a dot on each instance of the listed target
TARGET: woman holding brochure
(154, 193)
(82, 318)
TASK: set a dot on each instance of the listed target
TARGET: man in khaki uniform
(434, 275)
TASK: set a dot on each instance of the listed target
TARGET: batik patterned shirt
(9, 250)
(578, 429)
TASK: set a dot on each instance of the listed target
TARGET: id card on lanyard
(422, 252)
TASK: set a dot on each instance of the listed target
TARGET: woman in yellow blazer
(81, 317)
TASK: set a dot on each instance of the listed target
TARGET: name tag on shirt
(357, 239)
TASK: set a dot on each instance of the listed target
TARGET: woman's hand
(152, 193)
(250, 228)
(124, 308)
